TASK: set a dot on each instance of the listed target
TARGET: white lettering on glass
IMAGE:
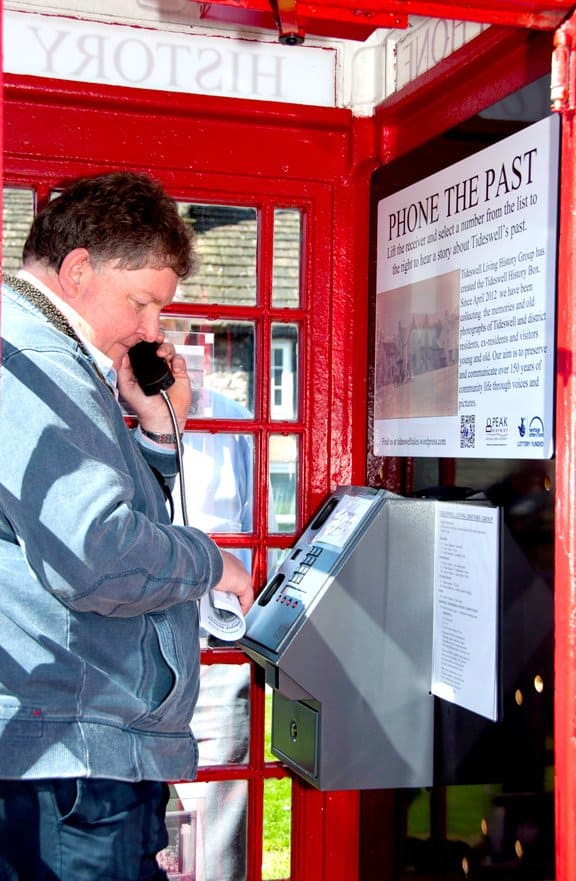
(86, 51)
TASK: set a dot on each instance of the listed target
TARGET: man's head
(113, 248)
(121, 216)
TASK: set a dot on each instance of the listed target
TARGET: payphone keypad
(304, 576)
(296, 588)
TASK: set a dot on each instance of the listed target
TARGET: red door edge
(563, 93)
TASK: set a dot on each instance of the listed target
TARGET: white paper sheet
(466, 598)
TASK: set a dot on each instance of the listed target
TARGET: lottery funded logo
(530, 432)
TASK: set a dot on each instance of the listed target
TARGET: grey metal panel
(361, 649)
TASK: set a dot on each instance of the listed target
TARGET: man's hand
(151, 410)
(237, 580)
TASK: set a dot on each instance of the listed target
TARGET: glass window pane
(221, 719)
(284, 372)
(277, 827)
(217, 836)
(525, 489)
(286, 258)
(276, 557)
(226, 244)
(490, 821)
(218, 483)
(268, 756)
(417, 815)
(17, 217)
(283, 451)
(467, 810)
(220, 357)
(277, 811)
(425, 473)
(180, 856)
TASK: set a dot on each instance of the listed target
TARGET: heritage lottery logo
(536, 428)
(531, 433)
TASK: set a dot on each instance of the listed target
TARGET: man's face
(122, 306)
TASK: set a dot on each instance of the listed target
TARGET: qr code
(467, 431)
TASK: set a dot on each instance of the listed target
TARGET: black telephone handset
(151, 371)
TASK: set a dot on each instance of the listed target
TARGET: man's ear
(74, 269)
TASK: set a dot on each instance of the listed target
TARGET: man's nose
(151, 328)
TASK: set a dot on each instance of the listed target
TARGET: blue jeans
(81, 830)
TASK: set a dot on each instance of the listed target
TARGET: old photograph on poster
(417, 328)
(465, 305)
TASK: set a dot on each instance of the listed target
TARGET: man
(99, 651)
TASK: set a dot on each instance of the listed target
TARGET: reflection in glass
(218, 484)
(524, 488)
(17, 217)
(496, 824)
(221, 719)
(286, 258)
(218, 831)
(220, 359)
(218, 472)
(425, 473)
(182, 851)
(276, 557)
(283, 451)
(226, 241)
(284, 371)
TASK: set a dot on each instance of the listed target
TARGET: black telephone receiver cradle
(151, 371)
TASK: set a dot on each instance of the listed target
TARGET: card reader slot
(324, 514)
(269, 592)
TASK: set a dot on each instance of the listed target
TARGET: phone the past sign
(465, 305)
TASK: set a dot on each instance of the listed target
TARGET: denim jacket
(99, 657)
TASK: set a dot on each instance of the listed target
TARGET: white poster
(465, 303)
(465, 616)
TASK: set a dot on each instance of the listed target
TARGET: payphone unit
(347, 658)
(344, 632)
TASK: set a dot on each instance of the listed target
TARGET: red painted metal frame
(321, 160)
(334, 22)
(279, 155)
(346, 19)
(565, 516)
(443, 97)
